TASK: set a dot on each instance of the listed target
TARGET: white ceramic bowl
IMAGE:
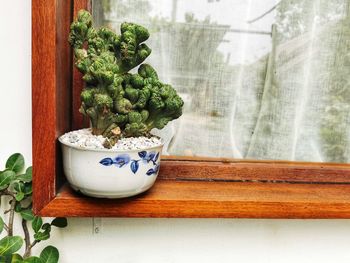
(110, 174)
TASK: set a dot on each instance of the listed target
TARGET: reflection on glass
(260, 79)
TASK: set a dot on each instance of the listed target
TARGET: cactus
(118, 103)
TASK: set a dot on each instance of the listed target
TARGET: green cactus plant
(118, 103)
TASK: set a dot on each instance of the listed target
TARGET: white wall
(151, 240)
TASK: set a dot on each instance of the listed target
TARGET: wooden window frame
(187, 187)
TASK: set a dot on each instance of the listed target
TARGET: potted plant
(118, 156)
(16, 205)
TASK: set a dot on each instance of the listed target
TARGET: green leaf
(2, 223)
(42, 235)
(27, 177)
(2, 188)
(18, 186)
(9, 245)
(28, 189)
(24, 178)
(15, 162)
(29, 172)
(59, 222)
(6, 259)
(49, 255)
(6, 177)
(37, 223)
(19, 196)
(46, 226)
(27, 214)
(32, 260)
(16, 258)
(18, 208)
(26, 203)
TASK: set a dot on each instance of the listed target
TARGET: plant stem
(29, 249)
(7, 211)
(12, 213)
(26, 239)
(7, 192)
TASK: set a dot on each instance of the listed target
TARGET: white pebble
(85, 139)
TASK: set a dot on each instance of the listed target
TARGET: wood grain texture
(63, 79)
(250, 170)
(44, 101)
(170, 198)
(51, 95)
(78, 119)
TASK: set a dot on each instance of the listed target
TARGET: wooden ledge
(193, 199)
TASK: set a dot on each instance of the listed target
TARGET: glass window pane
(260, 79)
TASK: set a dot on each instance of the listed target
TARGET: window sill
(198, 199)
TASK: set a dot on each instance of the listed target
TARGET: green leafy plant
(17, 187)
(118, 103)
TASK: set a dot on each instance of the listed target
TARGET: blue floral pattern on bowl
(145, 157)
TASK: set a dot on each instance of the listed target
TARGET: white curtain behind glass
(261, 79)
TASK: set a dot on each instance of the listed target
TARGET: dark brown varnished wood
(44, 101)
(170, 198)
(51, 99)
(78, 120)
(63, 79)
(216, 169)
